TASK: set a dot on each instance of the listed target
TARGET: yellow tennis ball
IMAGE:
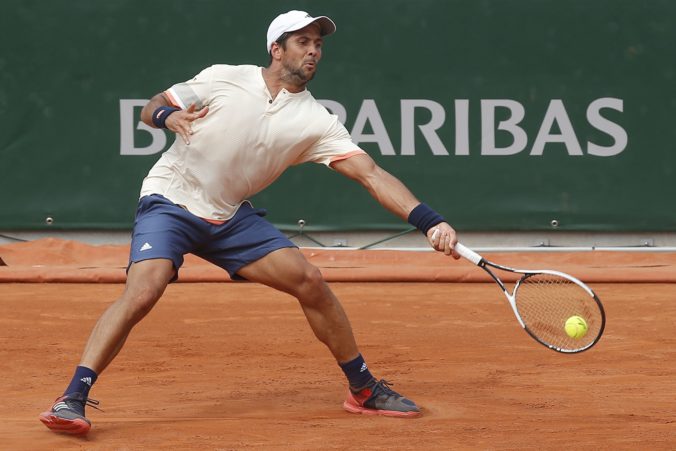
(576, 327)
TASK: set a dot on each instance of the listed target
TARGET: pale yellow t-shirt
(244, 143)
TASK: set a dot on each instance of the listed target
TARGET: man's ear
(276, 51)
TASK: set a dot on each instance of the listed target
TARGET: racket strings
(545, 302)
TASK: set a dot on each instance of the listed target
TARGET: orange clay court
(220, 365)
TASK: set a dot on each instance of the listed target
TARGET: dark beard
(297, 76)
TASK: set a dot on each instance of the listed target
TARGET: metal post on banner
(301, 225)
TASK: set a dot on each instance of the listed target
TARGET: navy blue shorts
(163, 229)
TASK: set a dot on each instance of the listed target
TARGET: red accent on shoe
(362, 395)
(76, 426)
(57, 424)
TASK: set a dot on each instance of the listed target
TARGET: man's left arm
(391, 193)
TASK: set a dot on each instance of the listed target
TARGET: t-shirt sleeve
(197, 90)
(334, 145)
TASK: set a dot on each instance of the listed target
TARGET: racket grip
(468, 253)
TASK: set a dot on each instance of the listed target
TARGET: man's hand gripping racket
(556, 309)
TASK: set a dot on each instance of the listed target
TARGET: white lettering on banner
(510, 126)
(556, 112)
(611, 128)
(462, 127)
(369, 112)
(127, 123)
(428, 130)
(368, 117)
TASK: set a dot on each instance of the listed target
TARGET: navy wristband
(161, 114)
(424, 218)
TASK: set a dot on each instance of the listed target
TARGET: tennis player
(239, 128)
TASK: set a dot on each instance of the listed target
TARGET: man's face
(302, 54)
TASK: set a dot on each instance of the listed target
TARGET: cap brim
(326, 25)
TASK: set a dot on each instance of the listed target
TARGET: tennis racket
(544, 301)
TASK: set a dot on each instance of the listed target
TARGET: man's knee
(146, 283)
(139, 301)
(312, 288)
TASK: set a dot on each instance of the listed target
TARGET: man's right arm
(179, 122)
(147, 112)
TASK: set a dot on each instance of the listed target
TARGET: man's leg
(287, 270)
(146, 281)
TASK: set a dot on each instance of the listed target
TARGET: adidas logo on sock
(363, 367)
(145, 247)
(87, 380)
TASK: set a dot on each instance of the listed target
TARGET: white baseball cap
(295, 20)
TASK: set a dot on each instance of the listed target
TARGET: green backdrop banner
(501, 114)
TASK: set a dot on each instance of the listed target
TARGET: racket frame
(484, 264)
